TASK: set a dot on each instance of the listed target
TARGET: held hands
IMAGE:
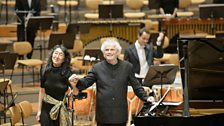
(73, 79)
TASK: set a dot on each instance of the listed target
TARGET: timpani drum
(174, 95)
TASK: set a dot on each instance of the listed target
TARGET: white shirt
(29, 3)
(144, 67)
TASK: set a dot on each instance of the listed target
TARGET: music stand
(110, 12)
(211, 11)
(93, 53)
(160, 74)
(7, 61)
(65, 39)
(78, 28)
(42, 23)
(3, 47)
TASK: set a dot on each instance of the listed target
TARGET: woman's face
(58, 57)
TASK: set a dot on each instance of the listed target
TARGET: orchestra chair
(77, 47)
(6, 89)
(23, 48)
(103, 39)
(183, 4)
(85, 109)
(26, 110)
(145, 2)
(135, 12)
(77, 63)
(14, 113)
(5, 84)
(197, 2)
(70, 3)
(92, 6)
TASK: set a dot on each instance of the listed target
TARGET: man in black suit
(142, 52)
(25, 9)
(112, 77)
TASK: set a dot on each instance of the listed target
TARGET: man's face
(143, 39)
(110, 53)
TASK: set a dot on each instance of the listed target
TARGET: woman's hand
(38, 116)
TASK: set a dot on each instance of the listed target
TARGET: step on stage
(208, 120)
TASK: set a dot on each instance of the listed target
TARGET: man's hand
(151, 99)
(159, 39)
(73, 79)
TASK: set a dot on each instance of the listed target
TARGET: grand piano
(202, 73)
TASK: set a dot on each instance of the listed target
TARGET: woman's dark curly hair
(65, 65)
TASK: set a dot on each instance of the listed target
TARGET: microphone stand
(65, 12)
(6, 11)
(70, 11)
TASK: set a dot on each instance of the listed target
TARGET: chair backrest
(26, 109)
(15, 113)
(93, 4)
(134, 4)
(3, 85)
(184, 3)
(85, 106)
(22, 48)
(166, 42)
(78, 45)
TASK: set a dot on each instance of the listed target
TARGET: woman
(56, 78)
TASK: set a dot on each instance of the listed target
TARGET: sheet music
(160, 101)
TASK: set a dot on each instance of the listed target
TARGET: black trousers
(30, 34)
(116, 124)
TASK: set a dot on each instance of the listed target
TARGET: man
(25, 9)
(112, 77)
(141, 53)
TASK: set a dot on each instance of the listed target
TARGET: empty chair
(92, 5)
(135, 6)
(77, 47)
(183, 4)
(23, 48)
(78, 63)
(85, 108)
(26, 110)
(14, 115)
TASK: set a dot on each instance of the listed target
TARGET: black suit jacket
(111, 90)
(131, 55)
(22, 5)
